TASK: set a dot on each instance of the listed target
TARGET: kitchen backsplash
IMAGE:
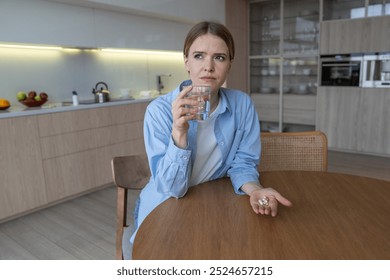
(59, 72)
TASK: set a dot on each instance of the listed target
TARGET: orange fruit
(4, 103)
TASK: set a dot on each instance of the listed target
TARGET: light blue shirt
(237, 131)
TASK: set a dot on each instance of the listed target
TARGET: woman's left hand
(265, 201)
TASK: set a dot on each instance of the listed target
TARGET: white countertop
(48, 108)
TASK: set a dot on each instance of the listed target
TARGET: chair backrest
(128, 172)
(306, 151)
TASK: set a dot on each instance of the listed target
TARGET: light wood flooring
(84, 227)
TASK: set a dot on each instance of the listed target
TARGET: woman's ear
(186, 63)
(230, 65)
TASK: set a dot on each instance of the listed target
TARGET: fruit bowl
(33, 103)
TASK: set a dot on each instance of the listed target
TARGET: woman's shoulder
(236, 96)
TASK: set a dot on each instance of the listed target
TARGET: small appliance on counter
(103, 94)
(376, 70)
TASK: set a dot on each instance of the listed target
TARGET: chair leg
(121, 220)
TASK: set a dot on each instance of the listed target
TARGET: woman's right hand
(183, 110)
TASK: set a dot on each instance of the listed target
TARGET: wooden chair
(129, 173)
(306, 151)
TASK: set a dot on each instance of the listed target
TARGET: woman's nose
(209, 65)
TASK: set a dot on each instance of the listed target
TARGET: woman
(183, 152)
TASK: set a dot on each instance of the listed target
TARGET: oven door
(340, 71)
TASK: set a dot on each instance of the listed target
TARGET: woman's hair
(213, 28)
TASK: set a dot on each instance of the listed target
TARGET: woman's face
(208, 61)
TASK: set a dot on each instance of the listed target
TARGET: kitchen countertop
(48, 108)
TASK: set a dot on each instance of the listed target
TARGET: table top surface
(334, 216)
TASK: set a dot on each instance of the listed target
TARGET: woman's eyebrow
(203, 52)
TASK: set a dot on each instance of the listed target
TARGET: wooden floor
(84, 228)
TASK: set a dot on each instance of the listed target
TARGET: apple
(43, 95)
(21, 95)
(37, 98)
(32, 94)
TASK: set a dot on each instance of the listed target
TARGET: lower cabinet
(374, 133)
(52, 157)
(355, 119)
(22, 184)
(297, 109)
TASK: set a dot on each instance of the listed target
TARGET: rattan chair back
(283, 151)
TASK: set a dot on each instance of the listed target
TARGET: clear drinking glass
(202, 94)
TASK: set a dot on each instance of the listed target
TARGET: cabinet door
(22, 185)
(338, 116)
(267, 106)
(342, 36)
(374, 132)
(77, 147)
(355, 36)
(376, 34)
(47, 22)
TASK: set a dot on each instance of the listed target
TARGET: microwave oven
(341, 70)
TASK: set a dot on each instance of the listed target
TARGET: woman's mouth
(207, 79)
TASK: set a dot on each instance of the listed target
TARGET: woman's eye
(198, 56)
(220, 58)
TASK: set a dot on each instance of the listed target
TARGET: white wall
(59, 73)
(113, 23)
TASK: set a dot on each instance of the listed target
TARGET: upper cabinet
(43, 22)
(352, 9)
(362, 35)
(355, 27)
(148, 24)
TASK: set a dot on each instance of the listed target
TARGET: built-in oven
(341, 70)
(376, 70)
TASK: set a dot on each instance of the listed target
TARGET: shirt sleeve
(169, 164)
(243, 168)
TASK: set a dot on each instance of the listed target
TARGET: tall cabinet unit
(355, 119)
(283, 62)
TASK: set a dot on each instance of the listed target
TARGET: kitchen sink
(92, 101)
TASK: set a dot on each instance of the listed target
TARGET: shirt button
(222, 143)
(185, 157)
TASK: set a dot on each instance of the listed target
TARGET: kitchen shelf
(283, 59)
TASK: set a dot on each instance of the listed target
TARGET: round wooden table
(334, 216)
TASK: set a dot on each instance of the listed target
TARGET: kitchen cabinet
(44, 22)
(51, 157)
(283, 60)
(355, 35)
(77, 147)
(355, 119)
(73, 25)
(351, 9)
(22, 184)
(374, 133)
(297, 109)
(337, 115)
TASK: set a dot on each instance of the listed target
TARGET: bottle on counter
(75, 98)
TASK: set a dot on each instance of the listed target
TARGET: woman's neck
(214, 102)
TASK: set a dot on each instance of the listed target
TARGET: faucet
(160, 84)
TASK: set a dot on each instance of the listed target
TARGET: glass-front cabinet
(349, 9)
(283, 62)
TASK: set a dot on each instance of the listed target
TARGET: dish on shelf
(266, 90)
(308, 13)
(272, 72)
(264, 72)
(286, 89)
(33, 103)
